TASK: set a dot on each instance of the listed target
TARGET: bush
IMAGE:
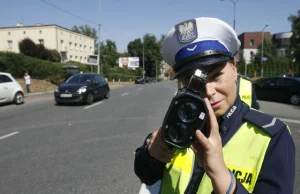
(54, 56)
(28, 47)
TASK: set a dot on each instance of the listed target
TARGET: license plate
(66, 95)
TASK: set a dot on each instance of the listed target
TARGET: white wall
(18, 34)
(247, 54)
(54, 37)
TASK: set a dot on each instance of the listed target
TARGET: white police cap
(198, 42)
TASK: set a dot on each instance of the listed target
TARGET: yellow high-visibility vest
(245, 90)
(243, 157)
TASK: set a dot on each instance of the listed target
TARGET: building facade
(249, 44)
(282, 42)
(71, 45)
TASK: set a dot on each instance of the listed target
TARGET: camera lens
(179, 133)
(188, 112)
(197, 85)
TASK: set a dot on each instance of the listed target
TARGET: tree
(152, 53)
(295, 39)
(88, 31)
(109, 54)
(28, 47)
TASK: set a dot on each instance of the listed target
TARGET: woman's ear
(234, 69)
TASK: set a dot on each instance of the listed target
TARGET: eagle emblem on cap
(186, 31)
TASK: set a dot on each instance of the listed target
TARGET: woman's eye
(215, 76)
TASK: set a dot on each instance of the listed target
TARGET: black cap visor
(207, 63)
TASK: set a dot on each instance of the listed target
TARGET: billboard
(92, 60)
(129, 62)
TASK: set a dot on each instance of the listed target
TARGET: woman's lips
(216, 104)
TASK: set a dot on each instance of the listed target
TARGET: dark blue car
(83, 87)
(284, 89)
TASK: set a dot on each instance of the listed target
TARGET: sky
(125, 20)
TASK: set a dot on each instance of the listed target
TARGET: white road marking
(93, 105)
(8, 135)
(124, 94)
(140, 89)
(290, 120)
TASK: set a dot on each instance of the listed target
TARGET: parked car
(10, 90)
(139, 80)
(284, 89)
(85, 87)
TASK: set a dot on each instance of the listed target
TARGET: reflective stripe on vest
(243, 154)
(245, 91)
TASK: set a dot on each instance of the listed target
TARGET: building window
(70, 57)
(80, 59)
(84, 48)
(10, 44)
(282, 53)
(62, 43)
(8, 33)
(252, 42)
(41, 41)
(24, 32)
(76, 46)
(71, 46)
(252, 55)
(75, 58)
(80, 47)
(40, 31)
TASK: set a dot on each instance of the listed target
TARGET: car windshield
(79, 79)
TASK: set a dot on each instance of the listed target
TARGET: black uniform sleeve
(148, 169)
(254, 103)
(278, 170)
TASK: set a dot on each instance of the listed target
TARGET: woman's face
(220, 88)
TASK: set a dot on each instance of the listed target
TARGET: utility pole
(262, 51)
(99, 55)
(143, 59)
(234, 9)
(156, 71)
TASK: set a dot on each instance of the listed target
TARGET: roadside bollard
(119, 82)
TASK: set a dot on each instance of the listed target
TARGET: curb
(38, 93)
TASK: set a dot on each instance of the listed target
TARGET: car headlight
(56, 90)
(81, 90)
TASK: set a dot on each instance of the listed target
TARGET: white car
(10, 90)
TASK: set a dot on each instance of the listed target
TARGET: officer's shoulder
(245, 77)
(268, 123)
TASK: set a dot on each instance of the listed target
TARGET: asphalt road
(49, 149)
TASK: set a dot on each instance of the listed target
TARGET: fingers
(202, 141)
(158, 148)
(212, 120)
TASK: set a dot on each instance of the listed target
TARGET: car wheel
(90, 99)
(19, 98)
(295, 99)
(107, 94)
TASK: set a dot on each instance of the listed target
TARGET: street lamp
(143, 59)
(262, 51)
(234, 3)
(99, 41)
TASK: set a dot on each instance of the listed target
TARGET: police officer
(245, 151)
(247, 92)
